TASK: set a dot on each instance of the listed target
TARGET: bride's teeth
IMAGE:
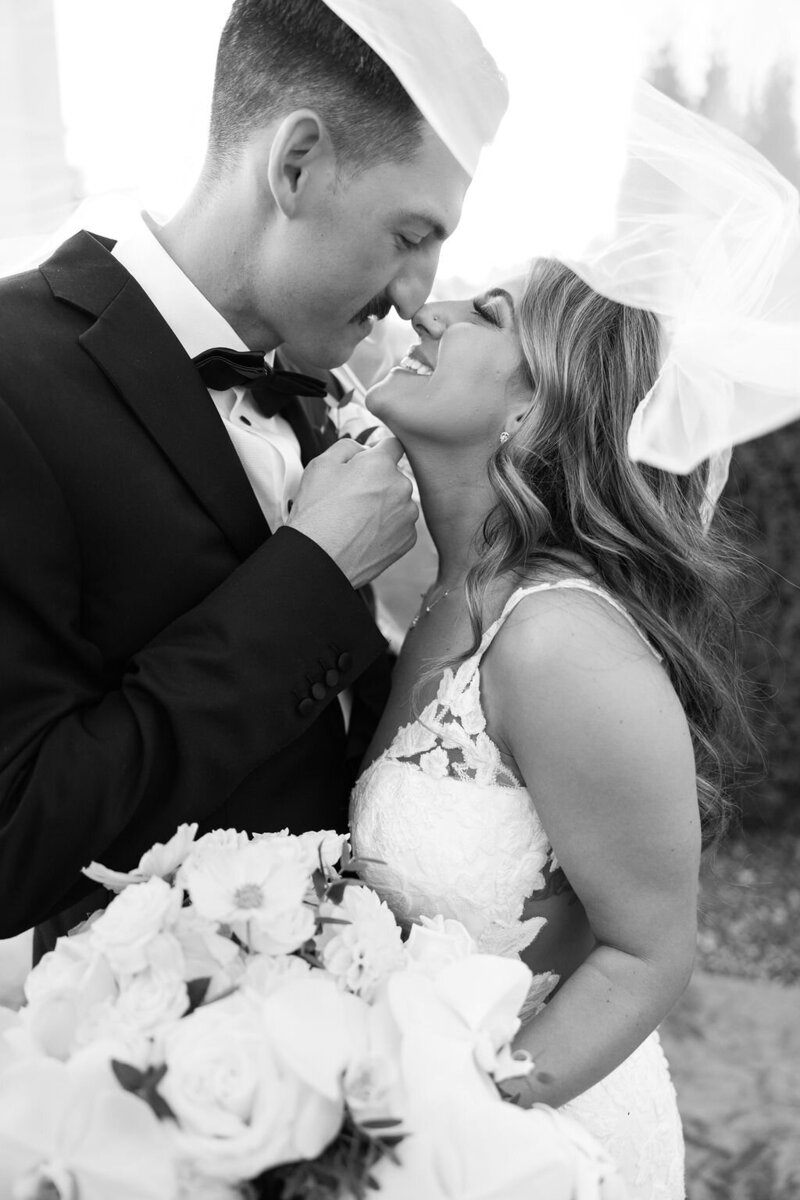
(413, 364)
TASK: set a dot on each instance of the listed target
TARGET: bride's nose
(429, 321)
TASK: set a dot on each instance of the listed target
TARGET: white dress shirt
(267, 447)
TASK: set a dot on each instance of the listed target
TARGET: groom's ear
(300, 155)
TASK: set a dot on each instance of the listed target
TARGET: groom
(179, 599)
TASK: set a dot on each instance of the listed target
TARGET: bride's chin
(378, 400)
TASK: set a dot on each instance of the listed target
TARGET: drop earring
(504, 438)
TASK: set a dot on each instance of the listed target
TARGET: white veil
(707, 236)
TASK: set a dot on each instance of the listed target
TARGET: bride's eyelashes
(487, 311)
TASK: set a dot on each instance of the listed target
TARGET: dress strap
(576, 584)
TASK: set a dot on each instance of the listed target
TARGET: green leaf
(144, 1084)
(197, 989)
(336, 890)
(128, 1077)
(159, 1105)
(224, 995)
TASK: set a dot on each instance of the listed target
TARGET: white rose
(362, 953)
(74, 965)
(238, 1106)
(61, 990)
(164, 954)
(107, 1032)
(153, 997)
(435, 942)
(132, 920)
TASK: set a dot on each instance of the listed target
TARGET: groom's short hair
(278, 55)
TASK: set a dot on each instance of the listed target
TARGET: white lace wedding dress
(458, 834)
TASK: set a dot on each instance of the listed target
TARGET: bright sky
(136, 79)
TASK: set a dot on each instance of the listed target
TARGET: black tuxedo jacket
(163, 656)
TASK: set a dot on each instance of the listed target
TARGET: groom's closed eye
(421, 225)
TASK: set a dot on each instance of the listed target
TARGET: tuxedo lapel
(139, 354)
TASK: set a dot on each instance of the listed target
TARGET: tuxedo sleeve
(217, 692)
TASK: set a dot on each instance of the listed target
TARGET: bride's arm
(604, 748)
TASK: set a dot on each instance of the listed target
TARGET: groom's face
(362, 244)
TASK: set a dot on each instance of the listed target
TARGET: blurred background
(103, 110)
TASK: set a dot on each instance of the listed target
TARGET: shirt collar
(191, 317)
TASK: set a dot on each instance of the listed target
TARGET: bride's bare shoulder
(574, 648)
(559, 614)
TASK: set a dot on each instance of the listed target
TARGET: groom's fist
(357, 505)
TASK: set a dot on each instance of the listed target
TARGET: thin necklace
(424, 608)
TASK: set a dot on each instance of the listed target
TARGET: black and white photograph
(399, 600)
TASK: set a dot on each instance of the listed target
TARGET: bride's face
(463, 383)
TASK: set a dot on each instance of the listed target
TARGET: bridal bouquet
(244, 1019)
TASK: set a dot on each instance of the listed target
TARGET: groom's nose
(411, 287)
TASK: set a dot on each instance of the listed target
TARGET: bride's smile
(466, 379)
(415, 362)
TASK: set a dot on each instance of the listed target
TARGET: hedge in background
(764, 495)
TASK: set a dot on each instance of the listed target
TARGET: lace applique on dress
(449, 736)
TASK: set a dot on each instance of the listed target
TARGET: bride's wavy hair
(564, 482)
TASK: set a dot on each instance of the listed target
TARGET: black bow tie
(272, 390)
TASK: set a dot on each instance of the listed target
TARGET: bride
(566, 709)
(553, 753)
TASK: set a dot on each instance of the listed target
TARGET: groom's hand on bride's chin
(358, 507)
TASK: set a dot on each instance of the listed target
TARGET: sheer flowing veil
(707, 236)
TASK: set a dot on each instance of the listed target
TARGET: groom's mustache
(380, 307)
